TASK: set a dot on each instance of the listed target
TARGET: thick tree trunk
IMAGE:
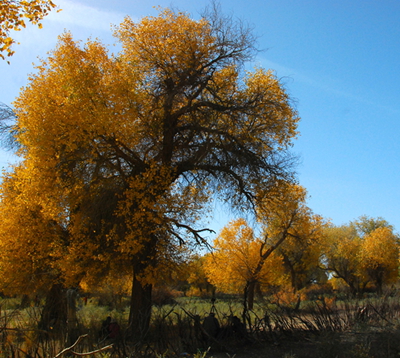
(72, 320)
(140, 308)
(54, 315)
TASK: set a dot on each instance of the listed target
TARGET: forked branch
(70, 349)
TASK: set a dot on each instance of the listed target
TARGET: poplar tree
(128, 150)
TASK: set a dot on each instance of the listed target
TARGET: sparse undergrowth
(320, 328)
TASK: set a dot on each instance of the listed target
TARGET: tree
(30, 242)
(239, 263)
(13, 16)
(197, 277)
(244, 262)
(131, 148)
(365, 225)
(294, 230)
(380, 257)
(301, 252)
(363, 253)
(342, 256)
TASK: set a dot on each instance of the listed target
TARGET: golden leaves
(130, 148)
(167, 44)
(237, 258)
(363, 258)
(12, 17)
(380, 252)
(28, 235)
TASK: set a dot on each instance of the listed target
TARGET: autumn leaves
(123, 154)
(13, 16)
(314, 252)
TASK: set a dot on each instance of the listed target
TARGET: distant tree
(295, 231)
(365, 225)
(245, 262)
(13, 16)
(197, 277)
(130, 149)
(301, 252)
(363, 253)
(343, 256)
(239, 262)
(380, 257)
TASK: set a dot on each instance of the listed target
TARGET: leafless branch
(70, 349)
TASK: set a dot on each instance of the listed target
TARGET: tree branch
(70, 349)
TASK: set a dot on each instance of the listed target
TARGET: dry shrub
(316, 291)
(288, 299)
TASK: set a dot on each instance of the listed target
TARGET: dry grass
(321, 328)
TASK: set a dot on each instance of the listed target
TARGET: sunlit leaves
(363, 253)
(30, 239)
(237, 258)
(14, 14)
(131, 148)
(380, 256)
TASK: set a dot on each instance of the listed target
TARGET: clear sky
(339, 60)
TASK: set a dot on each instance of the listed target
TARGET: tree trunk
(250, 294)
(54, 315)
(292, 272)
(72, 320)
(140, 308)
(25, 301)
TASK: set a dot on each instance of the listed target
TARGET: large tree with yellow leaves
(127, 150)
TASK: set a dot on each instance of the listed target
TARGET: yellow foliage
(293, 229)
(362, 258)
(237, 259)
(380, 255)
(13, 14)
(126, 151)
(29, 238)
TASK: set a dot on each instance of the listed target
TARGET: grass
(349, 328)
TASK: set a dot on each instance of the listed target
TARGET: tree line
(361, 256)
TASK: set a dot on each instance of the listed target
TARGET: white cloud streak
(76, 14)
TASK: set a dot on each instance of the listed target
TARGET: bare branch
(70, 349)
(8, 129)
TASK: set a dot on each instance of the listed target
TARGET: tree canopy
(287, 246)
(362, 253)
(125, 152)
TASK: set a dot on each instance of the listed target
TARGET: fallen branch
(70, 349)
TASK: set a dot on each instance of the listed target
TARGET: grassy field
(328, 327)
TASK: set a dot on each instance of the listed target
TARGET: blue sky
(338, 60)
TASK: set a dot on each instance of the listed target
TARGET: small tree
(245, 262)
(239, 263)
(342, 256)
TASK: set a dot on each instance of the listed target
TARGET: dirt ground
(328, 345)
